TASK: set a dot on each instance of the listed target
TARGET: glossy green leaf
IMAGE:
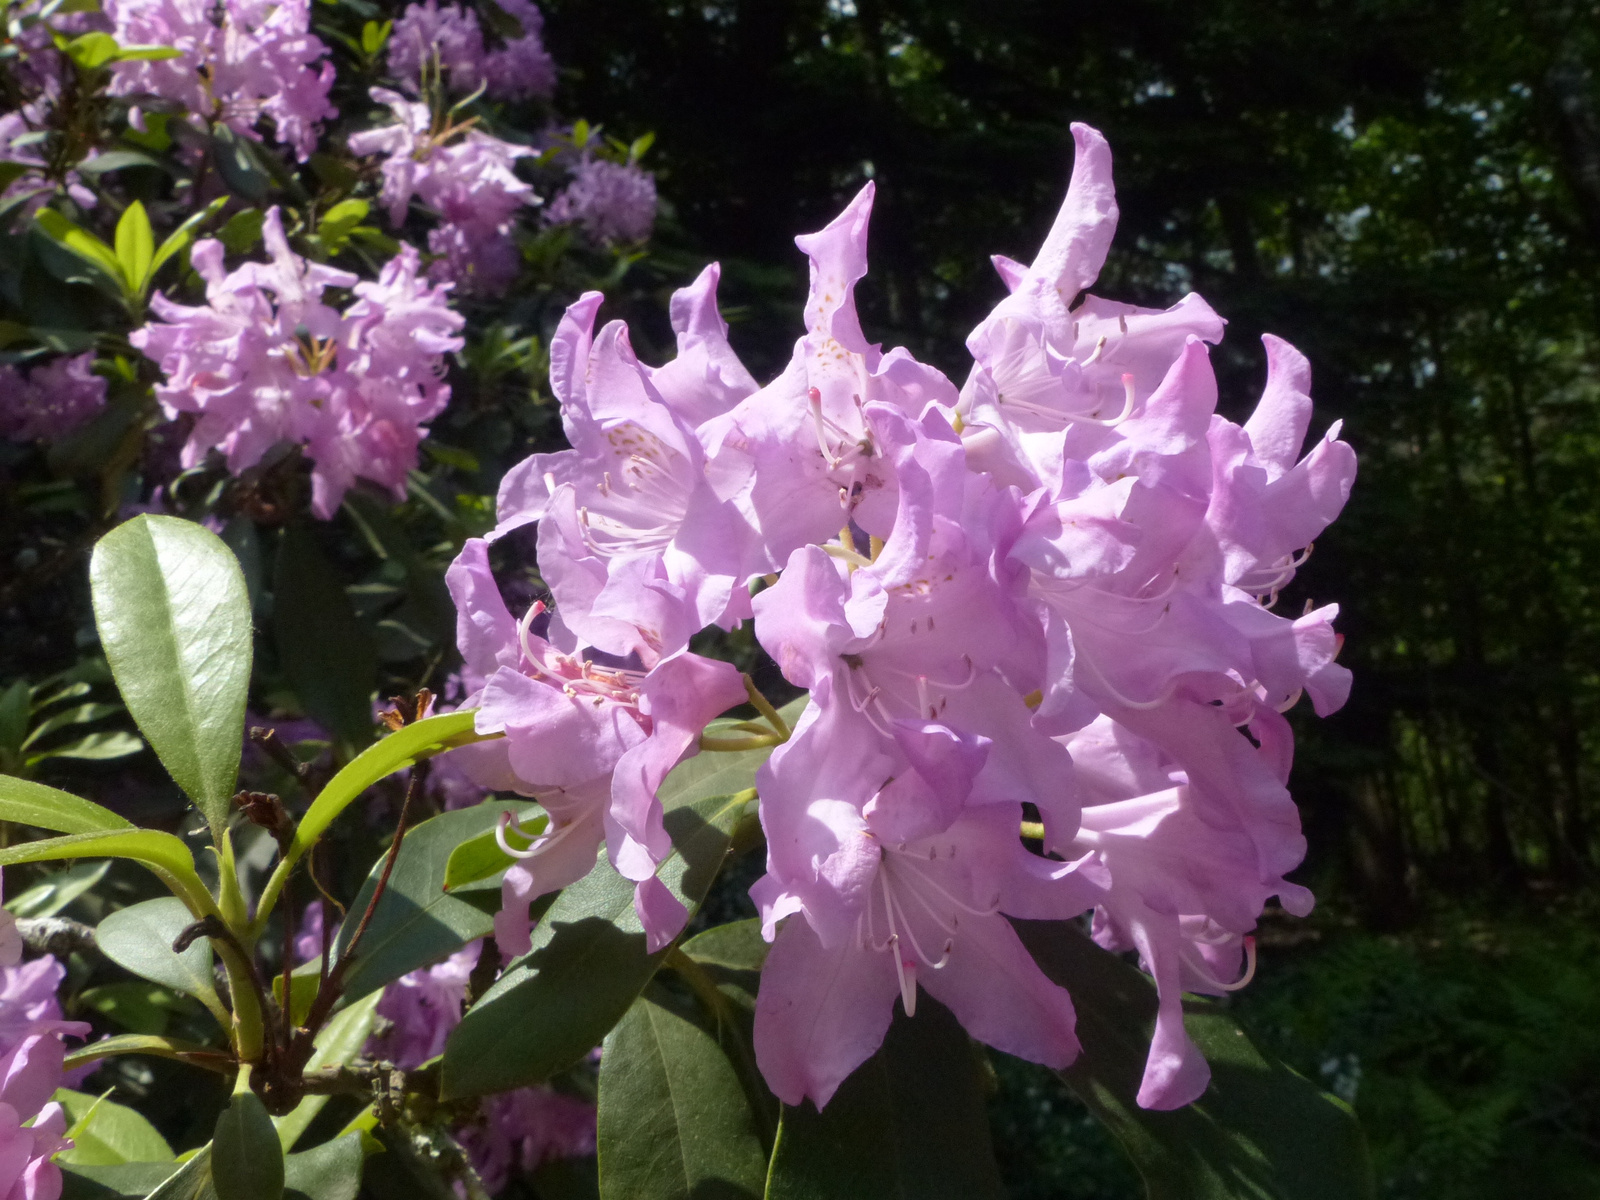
(164, 854)
(722, 774)
(135, 245)
(588, 963)
(325, 652)
(86, 1181)
(674, 1120)
(147, 53)
(479, 859)
(117, 160)
(331, 1171)
(91, 50)
(1261, 1132)
(137, 1005)
(246, 1157)
(340, 1042)
(191, 1181)
(139, 939)
(82, 243)
(28, 803)
(174, 618)
(729, 957)
(139, 1043)
(417, 922)
(57, 890)
(100, 746)
(180, 238)
(78, 714)
(104, 1132)
(911, 1122)
(16, 707)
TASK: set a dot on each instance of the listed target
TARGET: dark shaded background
(1408, 191)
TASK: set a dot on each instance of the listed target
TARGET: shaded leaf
(1260, 1131)
(674, 1120)
(588, 963)
(331, 1171)
(57, 890)
(86, 1181)
(164, 854)
(325, 652)
(246, 1157)
(339, 1042)
(174, 618)
(417, 922)
(139, 1043)
(910, 1122)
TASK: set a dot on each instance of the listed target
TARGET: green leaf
(104, 1132)
(331, 1171)
(28, 803)
(730, 958)
(242, 230)
(101, 746)
(336, 224)
(15, 709)
(1260, 1132)
(674, 1119)
(139, 939)
(373, 36)
(147, 53)
(191, 1181)
(57, 890)
(239, 163)
(588, 963)
(909, 1122)
(340, 1042)
(78, 714)
(91, 50)
(163, 853)
(246, 1157)
(174, 618)
(142, 1043)
(480, 859)
(180, 238)
(134, 1004)
(708, 774)
(80, 241)
(325, 652)
(117, 160)
(417, 922)
(135, 244)
(82, 1181)
(399, 750)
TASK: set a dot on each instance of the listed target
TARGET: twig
(58, 936)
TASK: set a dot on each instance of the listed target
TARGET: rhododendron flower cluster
(449, 39)
(241, 60)
(50, 401)
(265, 361)
(614, 202)
(467, 177)
(31, 1055)
(1035, 616)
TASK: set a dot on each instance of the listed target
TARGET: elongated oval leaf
(163, 853)
(174, 618)
(325, 652)
(674, 1119)
(417, 922)
(479, 860)
(141, 1043)
(588, 963)
(1260, 1132)
(104, 1132)
(909, 1122)
(29, 803)
(135, 245)
(331, 1171)
(246, 1157)
(139, 939)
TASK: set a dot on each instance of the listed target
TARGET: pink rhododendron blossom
(613, 202)
(51, 401)
(1050, 593)
(467, 178)
(449, 38)
(265, 361)
(592, 741)
(241, 60)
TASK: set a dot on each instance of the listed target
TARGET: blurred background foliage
(1410, 192)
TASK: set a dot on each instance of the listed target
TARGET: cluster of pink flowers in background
(614, 202)
(31, 1054)
(266, 361)
(1048, 593)
(241, 60)
(451, 37)
(50, 401)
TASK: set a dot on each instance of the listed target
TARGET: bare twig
(57, 936)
